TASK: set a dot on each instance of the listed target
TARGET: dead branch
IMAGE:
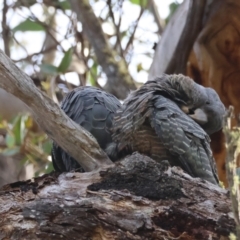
(80, 143)
(138, 199)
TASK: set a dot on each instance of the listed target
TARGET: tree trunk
(137, 199)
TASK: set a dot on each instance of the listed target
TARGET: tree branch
(189, 34)
(116, 26)
(137, 199)
(5, 29)
(28, 57)
(79, 142)
(135, 25)
(119, 81)
(154, 9)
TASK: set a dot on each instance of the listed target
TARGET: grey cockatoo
(169, 118)
(164, 119)
(93, 109)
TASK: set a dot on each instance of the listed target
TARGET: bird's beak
(199, 116)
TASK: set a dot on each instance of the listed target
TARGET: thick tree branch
(80, 143)
(189, 34)
(119, 81)
(138, 199)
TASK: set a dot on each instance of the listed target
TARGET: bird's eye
(191, 111)
(207, 103)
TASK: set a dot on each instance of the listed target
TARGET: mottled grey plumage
(157, 120)
(93, 109)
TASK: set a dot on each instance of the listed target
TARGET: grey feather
(152, 122)
(93, 109)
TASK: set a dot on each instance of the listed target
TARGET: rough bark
(188, 36)
(233, 146)
(119, 81)
(138, 199)
(215, 62)
(80, 143)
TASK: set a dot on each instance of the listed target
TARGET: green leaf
(19, 129)
(92, 75)
(172, 8)
(142, 3)
(64, 5)
(10, 140)
(28, 25)
(11, 151)
(47, 147)
(49, 168)
(49, 69)
(65, 63)
(139, 67)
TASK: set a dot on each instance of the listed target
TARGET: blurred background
(116, 45)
